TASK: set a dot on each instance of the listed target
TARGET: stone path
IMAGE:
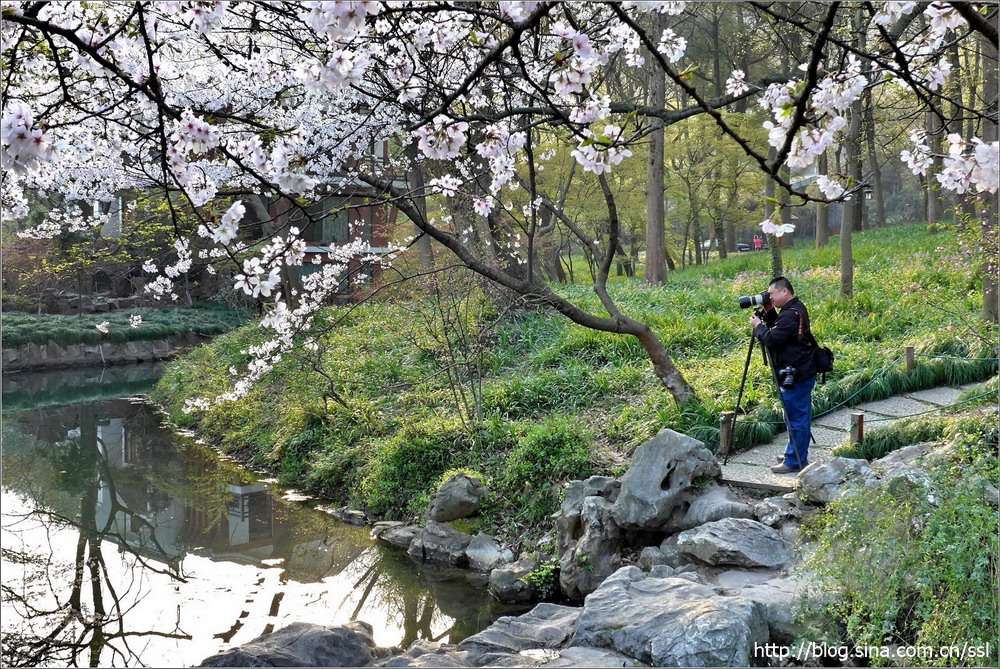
(752, 468)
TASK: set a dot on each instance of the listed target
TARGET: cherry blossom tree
(218, 103)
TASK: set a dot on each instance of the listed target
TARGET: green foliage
(546, 455)
(406, 466)
(913, 566)
(23, 328)
(544, 578)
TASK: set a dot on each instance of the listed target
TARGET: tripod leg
(746, 367)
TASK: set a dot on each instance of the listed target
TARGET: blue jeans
(798, 410)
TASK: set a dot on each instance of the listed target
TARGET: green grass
(561, 401)
(21, 328)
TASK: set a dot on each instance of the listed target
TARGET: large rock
(735, 541)
(440, 544)
(395, 533)
(568, 525)
(458, 497)
(545, 626)
(507, 583)
(584, 656)
(781, 597)
(779, 509)
(661, 478)
(485, 553)
(595, 555)
(671, 621)
(302, 645)
(714, 503)
(824, 482)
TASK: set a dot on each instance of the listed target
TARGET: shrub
(545, 455)
(406, 466)
(915, 567)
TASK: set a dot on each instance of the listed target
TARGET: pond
(125, 544)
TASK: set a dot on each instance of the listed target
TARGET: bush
(915, 567)
(406, 466)
(545, 456)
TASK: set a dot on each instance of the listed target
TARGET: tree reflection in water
(123, 545)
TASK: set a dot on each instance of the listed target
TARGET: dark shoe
(782, 469)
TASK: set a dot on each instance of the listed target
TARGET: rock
(735, 541)
(908, 456)
(440, 544)
(776, 510)
(714, 503)
(595, 555)
(651, 556)
(302, 645)
(790, 533)
(485, 553)
(395, 533)
(670, 621)
(780, 597)
(545, 626)
(568, 527)
(671, 554)
(458, 497)
(429, 654)
(349, 516)
(507, 584)
(584, 656)
(660, 479)
(824, 482)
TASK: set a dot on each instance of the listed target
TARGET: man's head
(781, 291)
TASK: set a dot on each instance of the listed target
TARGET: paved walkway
(752, 468)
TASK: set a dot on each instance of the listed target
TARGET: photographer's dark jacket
(780, 334)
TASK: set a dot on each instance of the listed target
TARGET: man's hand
(754, 322)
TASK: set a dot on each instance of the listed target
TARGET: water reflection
(124, 545)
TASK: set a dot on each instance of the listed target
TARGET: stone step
(899, 407)
(941, 396)
(758, 477)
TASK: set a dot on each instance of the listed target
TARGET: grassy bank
(22, 328)
(560, 401)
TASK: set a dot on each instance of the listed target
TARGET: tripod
(769, 361)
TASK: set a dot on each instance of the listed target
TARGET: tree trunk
(772, 241)
(822, 210)
(851, 219)
(935, 207)
(852, 208)
(989, 206)
(786, 212)
(656, 271)
(877, 192)
(422, 247)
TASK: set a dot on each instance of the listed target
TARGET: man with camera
(790, 346)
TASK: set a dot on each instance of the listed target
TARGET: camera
(787, 376)
(761, 300)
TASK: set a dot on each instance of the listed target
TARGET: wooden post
(727, 420)
(911, 361)
(857, 427)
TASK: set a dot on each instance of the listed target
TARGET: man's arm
(770, 315)
(784, 329)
